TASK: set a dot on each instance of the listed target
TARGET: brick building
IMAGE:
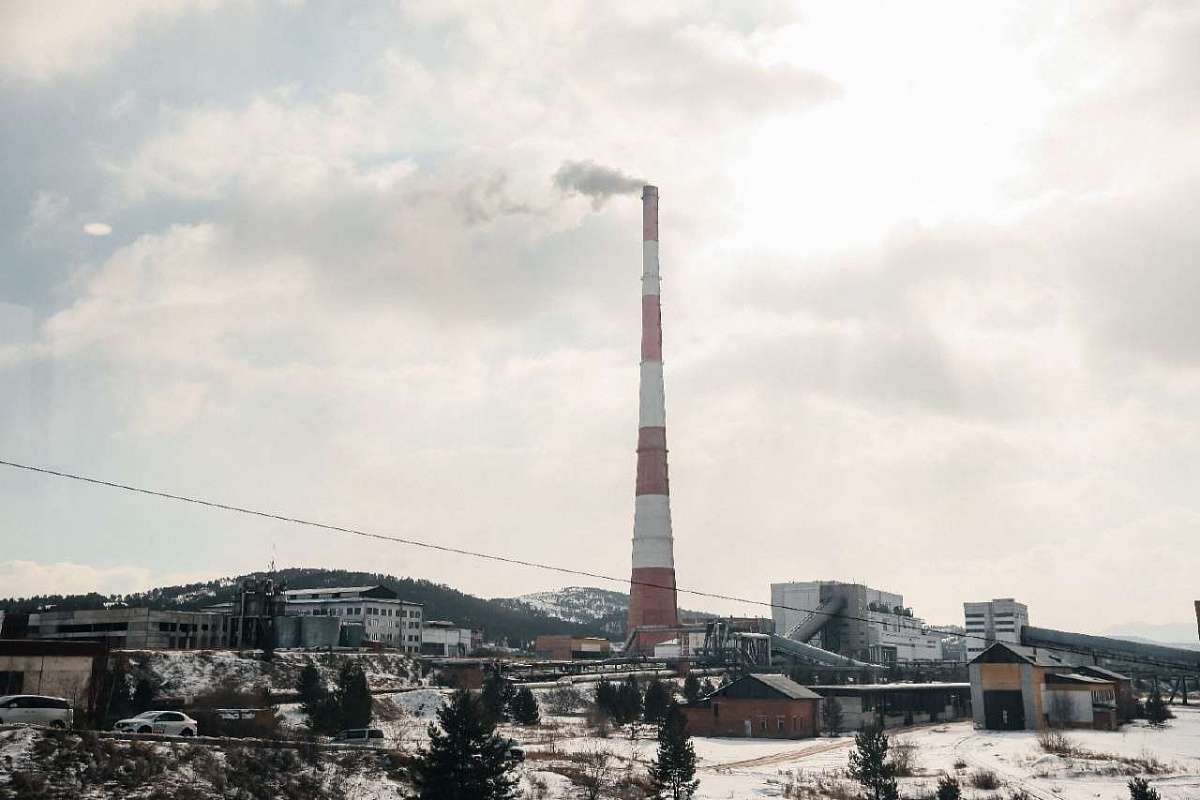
(766, 706)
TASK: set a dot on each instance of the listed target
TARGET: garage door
(1003, 711)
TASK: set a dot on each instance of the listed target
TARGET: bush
(984, 779)
(903, 760)
(948, 789)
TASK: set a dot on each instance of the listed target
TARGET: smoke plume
(594, 180)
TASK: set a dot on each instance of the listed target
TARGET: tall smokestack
(652, 590)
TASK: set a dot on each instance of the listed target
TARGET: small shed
(1123, 684)
(766, 706)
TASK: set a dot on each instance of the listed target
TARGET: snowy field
(749, 768)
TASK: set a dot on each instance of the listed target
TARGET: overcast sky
(930, 292)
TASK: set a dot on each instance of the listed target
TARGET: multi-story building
(442, 638)
(853, 620)
(386, 619)
(134, 628)
(991, 621)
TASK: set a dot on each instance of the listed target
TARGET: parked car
(172, 723)
(367, 737)
(35, 709)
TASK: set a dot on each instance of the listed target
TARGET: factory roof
(1007, 652)
(785, 686)
(1089, 669)
(377, 589)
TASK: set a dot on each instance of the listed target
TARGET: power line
(489, 556)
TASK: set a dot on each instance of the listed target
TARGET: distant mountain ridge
(500, 621)
(587, 605)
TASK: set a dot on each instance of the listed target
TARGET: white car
(34, 709)
(171, 723)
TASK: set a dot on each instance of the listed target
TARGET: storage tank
(287, 631)
(352, 634)
(319, 632)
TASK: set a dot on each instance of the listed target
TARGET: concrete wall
(57, 676)
(754, 718)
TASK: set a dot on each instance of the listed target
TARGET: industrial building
(386, 620)
(756, 705)
(988, 621)
(896, 704)
(567, 648)
(854, 621)
(134, 628)
(1023, 688)
(653, 604)
(60, 669)
(445, 639)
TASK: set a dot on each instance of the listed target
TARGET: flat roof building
(896, 704)
(988, 621)
(134, 628)
(386, 620)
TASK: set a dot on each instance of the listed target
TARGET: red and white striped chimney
(652, 590)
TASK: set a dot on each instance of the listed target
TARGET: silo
(319, 632)
(287, 631)
(352, 634)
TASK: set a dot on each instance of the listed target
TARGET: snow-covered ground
(747, 768)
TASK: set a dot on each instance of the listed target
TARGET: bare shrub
(596, 774)
(903, 759)
(960, 764)
(1057, 742)
(984, 779)
(563, 700)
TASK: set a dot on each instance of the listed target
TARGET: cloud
(595, 181)
(97, 229)
(26, 578)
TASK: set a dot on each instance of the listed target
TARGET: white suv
(34, 709)
(172, 723)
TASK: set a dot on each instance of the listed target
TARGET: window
(779, 723)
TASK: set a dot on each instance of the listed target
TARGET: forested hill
(499, 621)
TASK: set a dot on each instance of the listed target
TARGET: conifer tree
(466, 759)
(673, 773)
(691, 688)
(353, 697)
(1156, 710)
(496, 696)
(1140, 789)
(318, 706)
(831, 715)
(656, 702)
(870, 767)
(629, 701)
(524, 707)
(606, 698)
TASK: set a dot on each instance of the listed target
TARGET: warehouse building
(69, 670)
(567, 648)
(1023, 688)
(756, 706)
(445, 639)
(897, 704)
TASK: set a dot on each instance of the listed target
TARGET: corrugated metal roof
(1037, 656)
(332, 589)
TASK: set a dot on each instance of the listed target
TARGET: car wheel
(145, 729)
(187, 732)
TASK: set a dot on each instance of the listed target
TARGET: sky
(929, 293)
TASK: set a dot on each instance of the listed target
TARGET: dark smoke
(596, 181)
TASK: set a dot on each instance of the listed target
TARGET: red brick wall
(800, 718)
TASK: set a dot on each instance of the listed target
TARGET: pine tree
(143, 695)
(466, 759)
(524, 707)
(673, 773)
(691, 688)
(948, 789)
(353, 697)
(318, 706)
(831, 715)
(496, 695)
(629, 701)
(1156, 710)
(870, 767)
(656, 702)
(1140, 789)
(606, 699)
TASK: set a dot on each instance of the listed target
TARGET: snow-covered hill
(584, 605)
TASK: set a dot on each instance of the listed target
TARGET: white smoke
(595, 181)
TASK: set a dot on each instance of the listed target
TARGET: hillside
(500, 621)
(586, 605)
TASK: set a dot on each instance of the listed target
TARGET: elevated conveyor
(811, 623)
(814, 654)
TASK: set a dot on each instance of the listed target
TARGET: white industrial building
(854, 620)
(442, 638)
(991, 621)
(386, 619)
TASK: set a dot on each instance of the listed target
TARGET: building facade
(756, 706)
(70, 670)
(386, 620)
(134, 628)
(991, 621)
(442, 638)
(569, 648)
